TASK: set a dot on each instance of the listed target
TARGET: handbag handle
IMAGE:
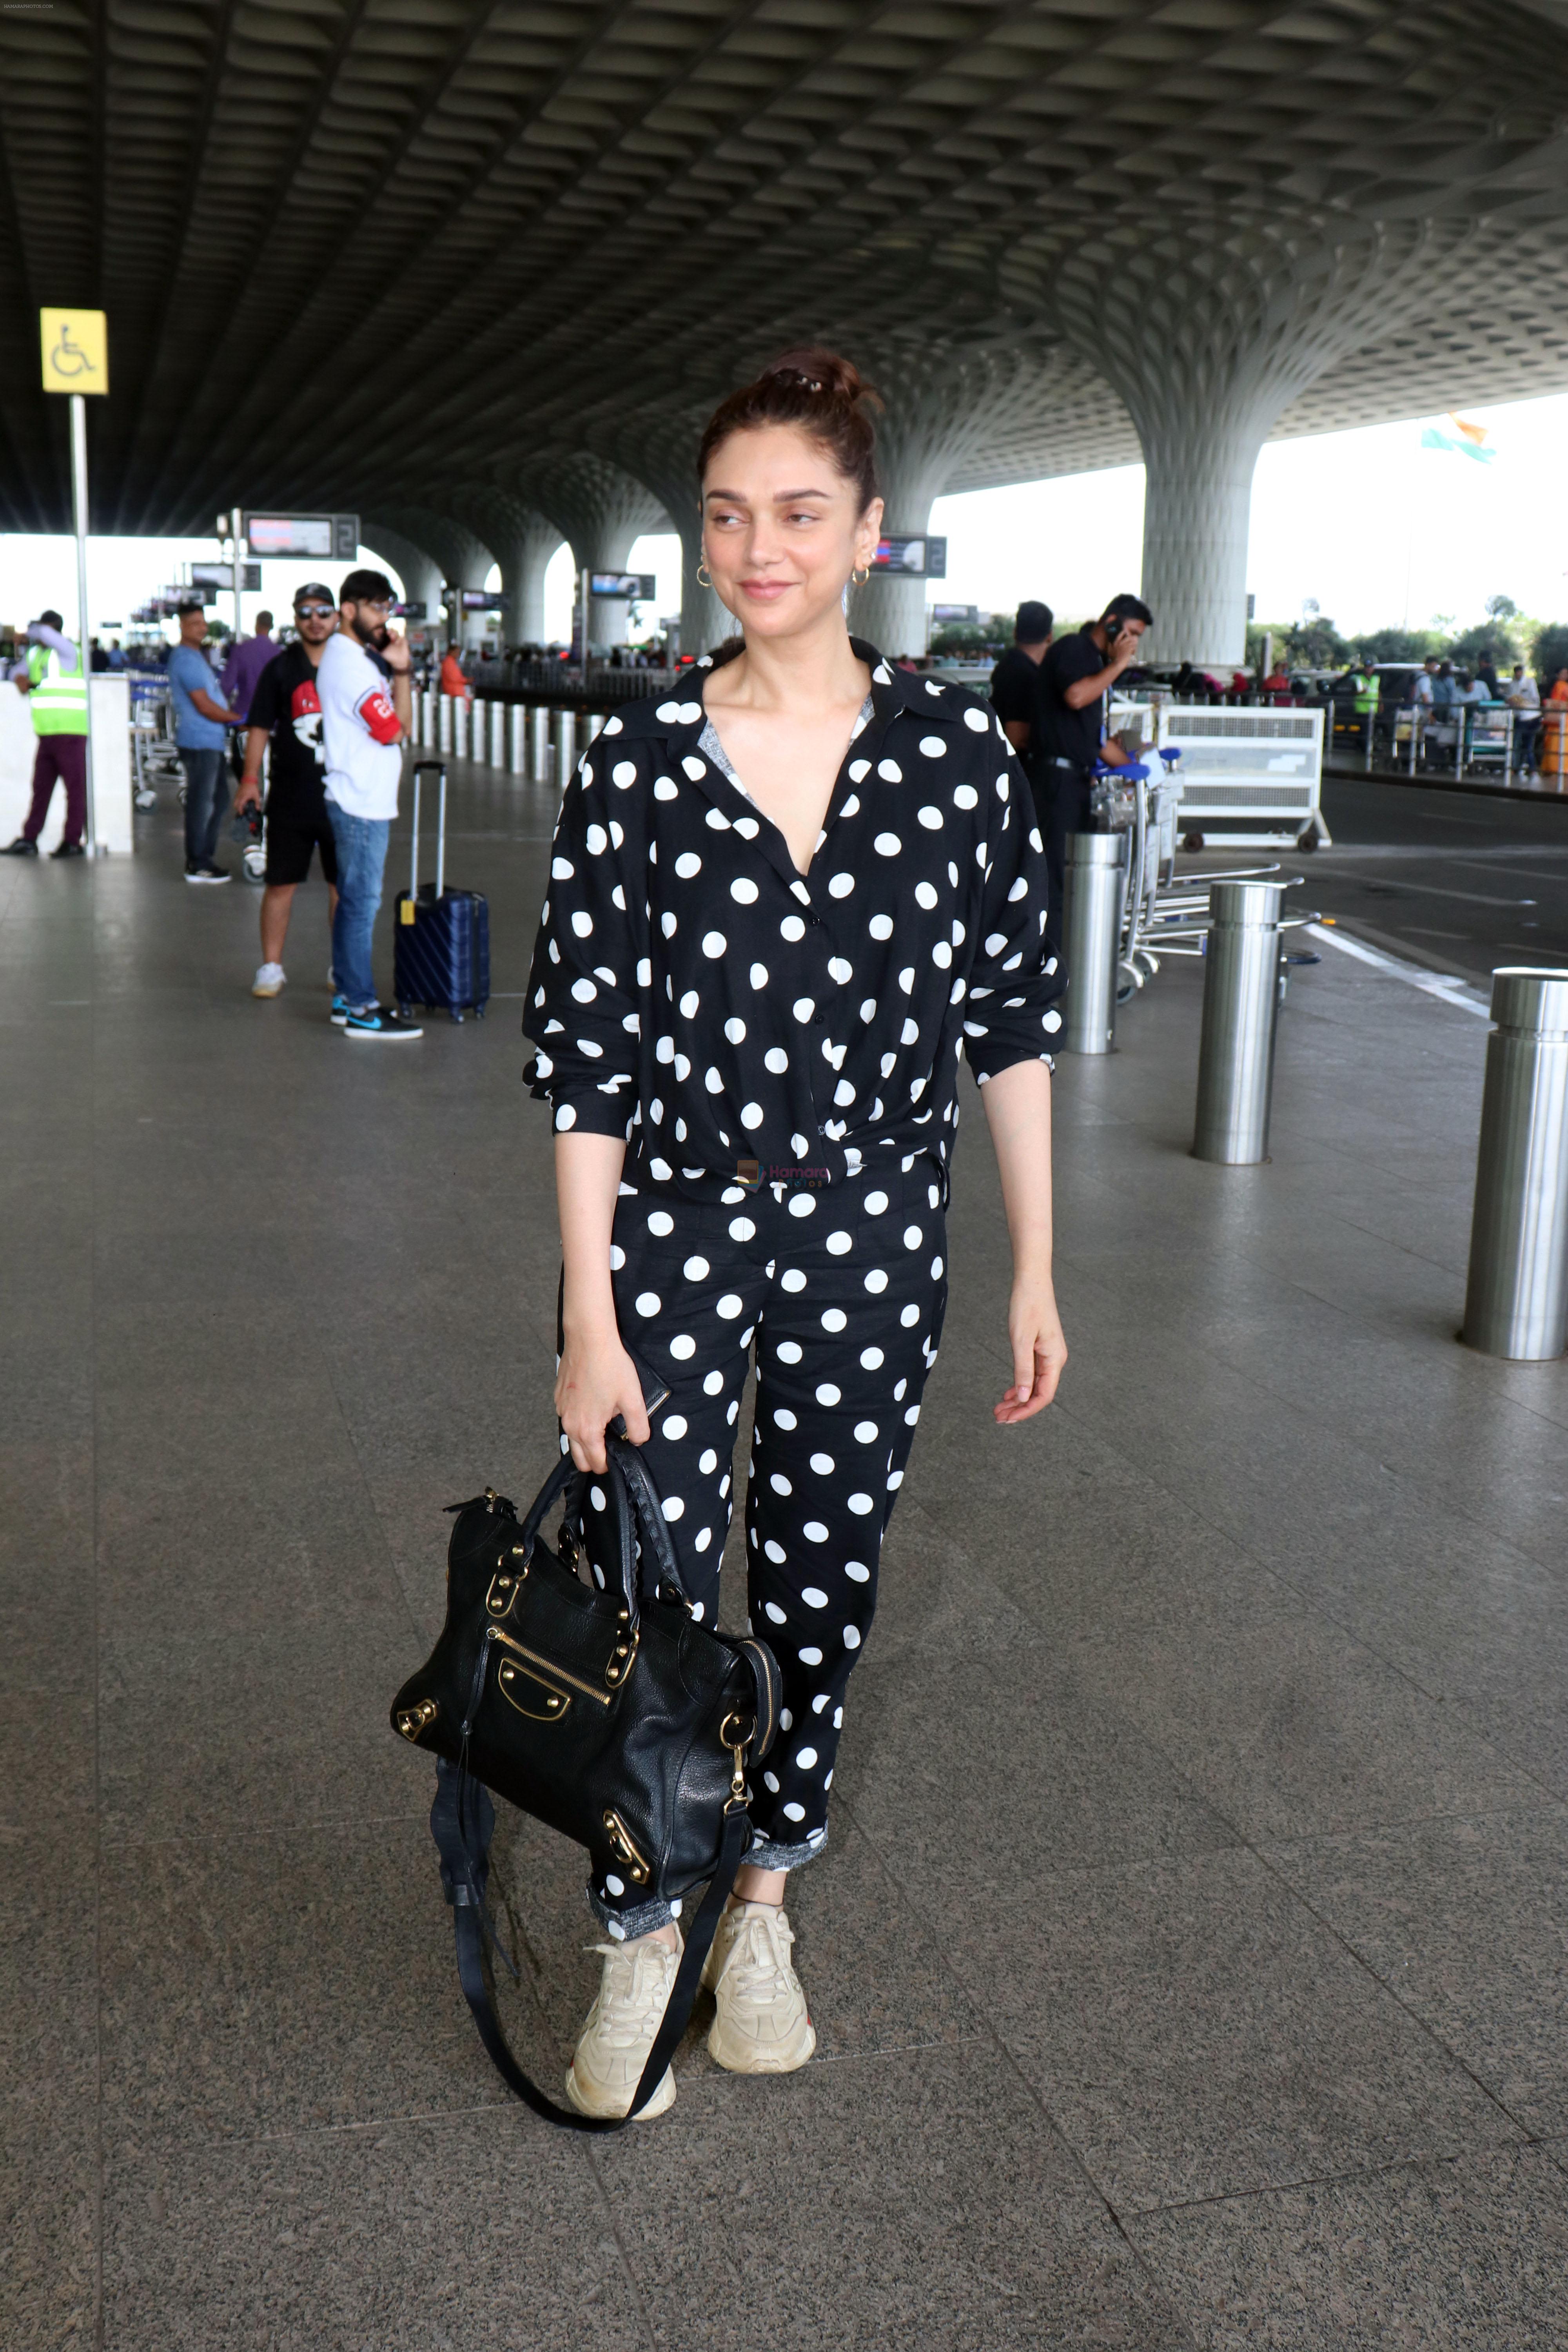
(631, 1484)
(626, 1458)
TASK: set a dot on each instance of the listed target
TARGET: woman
(778, 907)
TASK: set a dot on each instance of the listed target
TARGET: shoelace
(759, 1964)
(627, 2012)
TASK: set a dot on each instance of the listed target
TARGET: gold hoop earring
(861, 575)
(704, 577)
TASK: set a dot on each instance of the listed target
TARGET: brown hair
(822, 393)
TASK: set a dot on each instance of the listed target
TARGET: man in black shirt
(286, 710)
(1015, 680)
(1075, 675)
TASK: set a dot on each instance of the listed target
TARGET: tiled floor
(1188, 1961)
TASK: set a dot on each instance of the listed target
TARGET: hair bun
(822, 371)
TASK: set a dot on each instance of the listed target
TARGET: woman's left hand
(1039, 1350)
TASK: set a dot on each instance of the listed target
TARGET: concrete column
(524, 541)
(1209, 337)
(603, 512)
(465, 559)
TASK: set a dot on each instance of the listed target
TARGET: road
(1458, 881)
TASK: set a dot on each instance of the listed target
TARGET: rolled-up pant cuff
(631, 1920)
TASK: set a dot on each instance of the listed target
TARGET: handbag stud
(413, 1719)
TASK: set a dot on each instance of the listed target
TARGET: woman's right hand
(597, 1380)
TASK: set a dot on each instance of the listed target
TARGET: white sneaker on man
(612, 2049)
(762, 2026)
(269, 981)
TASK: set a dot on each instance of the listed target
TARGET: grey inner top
(708, 743)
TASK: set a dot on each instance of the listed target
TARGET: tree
(1549, 651)
(1397, 645)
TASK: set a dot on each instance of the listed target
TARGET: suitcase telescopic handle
(435, 767)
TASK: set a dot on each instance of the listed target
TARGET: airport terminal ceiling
(395, 253)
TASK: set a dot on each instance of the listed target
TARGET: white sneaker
(612, 2049)
(269, 981)
(762, 2027)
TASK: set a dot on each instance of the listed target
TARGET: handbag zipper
(494, 1633)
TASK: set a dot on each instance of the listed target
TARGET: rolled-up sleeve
(583, 991)
(1012, 1013)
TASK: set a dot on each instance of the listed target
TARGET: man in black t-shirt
(286, 711)
(1015, 680)
(1075, 675)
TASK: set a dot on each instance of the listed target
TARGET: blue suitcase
(441, 938)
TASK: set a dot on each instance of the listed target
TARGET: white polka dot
(683, 1346)
(668, 924)
(810, 1657)
(759, 975)
(877, 1279)
(564, 1117)
(792, 928)
(803, 1204)
(887, 845)
(932, 746)
(614, 1885)
(802, 1008)
(774, 1610)
(562, 868)
(930, 818)
(856, 1572)
(835, 1319)
(743, 890)
(858, 771)
(624, 773)
(843, 1093)
(936, 1269)
(789, 1351)
(673, 1507)
(806, 1757)
(860, 1504)
(976, 720)
(742, 1229)
(925, 895)
(770, 1781)
(750, 1115)
(966, 797)
(617, 1257)
(852, 1637)
(693, 766)
(785, 1419)
(881, 927)
(840, 972)
(890, 772)
(688, 864)
(713, 1384)
(828, 1394)
(791, 1278)
(910, 1315)
(794, 1812)
(839, 1245)
(729, 1307)
(661, 1223)
(695, 1269)
(777, 1060)
(715, 944)
(675, 1428)
(780, 1484)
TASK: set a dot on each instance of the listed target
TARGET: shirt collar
(679, 716)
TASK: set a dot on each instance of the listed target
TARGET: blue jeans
(204, 799)
(361, 855)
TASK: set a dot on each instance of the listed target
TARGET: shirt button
(815, 921)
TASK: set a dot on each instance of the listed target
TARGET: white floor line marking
(1447, 990)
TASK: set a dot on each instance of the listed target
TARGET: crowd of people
(1049, 694)
(326, 715)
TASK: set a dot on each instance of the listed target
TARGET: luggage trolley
(153, 758)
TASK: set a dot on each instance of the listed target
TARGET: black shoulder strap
(462, 1839)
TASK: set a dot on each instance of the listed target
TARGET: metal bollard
(444, 725)
(1096, 878)
(563, 743)
(539, 743)
(516, 739)
(497, 734)
(591, 724)
(462, 725)
(1516, 1301)
(1241, 1007)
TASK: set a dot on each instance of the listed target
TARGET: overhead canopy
(365, 255)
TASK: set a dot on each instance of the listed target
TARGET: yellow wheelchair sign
(75, 345)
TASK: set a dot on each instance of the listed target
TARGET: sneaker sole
(660, 2103)
(266, 991)
(383, 1036)
(207, 878)
(753, 2058)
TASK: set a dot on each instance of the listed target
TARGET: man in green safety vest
(1363, 684)
(55, 683)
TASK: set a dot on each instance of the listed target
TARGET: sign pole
(78, 501)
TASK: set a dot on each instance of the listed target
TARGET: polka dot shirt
(694, 993)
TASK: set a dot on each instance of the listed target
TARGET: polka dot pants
(843, 1291)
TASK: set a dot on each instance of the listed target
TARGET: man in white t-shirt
(1523, 696)
(364, 689)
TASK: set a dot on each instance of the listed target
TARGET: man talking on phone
(362, 683)
(1075, 675)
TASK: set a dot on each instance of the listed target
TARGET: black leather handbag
(610, 1714)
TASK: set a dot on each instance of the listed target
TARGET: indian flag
(1459, 437)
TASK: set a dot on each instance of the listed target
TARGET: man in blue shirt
(201, 732)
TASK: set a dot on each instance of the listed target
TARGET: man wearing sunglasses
(366, 707)
(285, 710)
